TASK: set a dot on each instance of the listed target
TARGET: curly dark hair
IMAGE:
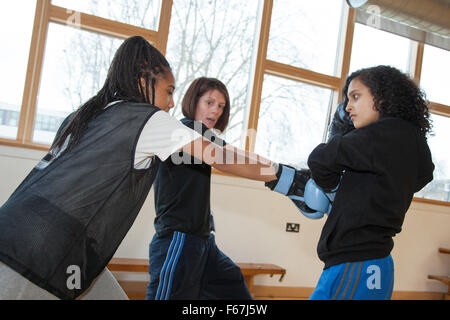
(394, 94)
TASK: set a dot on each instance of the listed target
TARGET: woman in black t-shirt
(185, 262)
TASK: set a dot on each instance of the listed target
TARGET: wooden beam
(20, 144)
(164, 24)
(417, 60)
(33, 74)
(128, 265)
(258, 75)
(303, 75)
(440, 109)
(348, 46)
(100, 25)
(430, 201)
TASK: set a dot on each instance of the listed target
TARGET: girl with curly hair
(376, 168)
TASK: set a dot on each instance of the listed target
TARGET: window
(436, 74)
(372, 47)
(213, 39)
(15, 32)
(140, 13)
(75, 66)
(304, 37)
(439, 188)
(305, 34)
(434, 81)
(292, 120)
(280, 60)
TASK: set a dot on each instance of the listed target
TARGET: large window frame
(46, 12)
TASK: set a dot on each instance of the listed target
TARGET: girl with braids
(182, 205)
(377, 168)
(62, 225)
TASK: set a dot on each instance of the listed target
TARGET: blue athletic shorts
(363, 280)
(187, 267)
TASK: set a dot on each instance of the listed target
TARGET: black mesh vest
(73, 213)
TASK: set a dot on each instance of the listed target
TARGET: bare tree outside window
(292, 120)
(75, 67)
(15, 33)
(439, 188)
(76, 61)
(293, 115)
(206, 38)
(88, 55)
(141, 13)
(218, 39)
(214, 38)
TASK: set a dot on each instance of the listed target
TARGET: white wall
(250, 227)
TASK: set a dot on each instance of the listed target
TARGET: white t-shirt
(162, 136)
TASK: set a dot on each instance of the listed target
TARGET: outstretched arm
(164, 136)
(232, 160)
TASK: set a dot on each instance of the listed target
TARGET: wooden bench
(128, 265)
(443, 279)
(250, 270)
(133, 288)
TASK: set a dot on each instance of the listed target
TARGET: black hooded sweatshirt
(382, 165)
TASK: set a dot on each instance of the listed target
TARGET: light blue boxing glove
(291, 183)
(317, 199)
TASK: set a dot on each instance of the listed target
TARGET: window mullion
(348, 45)
(258, 76)
(164, 24)
(439, 109)
(35, 59)
(416, 61)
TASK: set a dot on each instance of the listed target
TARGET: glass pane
(141, 13)
(291, 121)
(439, 188)
(16, 26)
(373, 47)
(305, 34)
(75, 66)
(436, 74)
(213, 39)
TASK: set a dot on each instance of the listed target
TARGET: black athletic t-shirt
(182, 191)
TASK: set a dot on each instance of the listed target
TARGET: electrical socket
(292, 227)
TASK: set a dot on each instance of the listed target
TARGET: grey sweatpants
(14, 286)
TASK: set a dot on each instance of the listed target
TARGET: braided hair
(135, 61)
